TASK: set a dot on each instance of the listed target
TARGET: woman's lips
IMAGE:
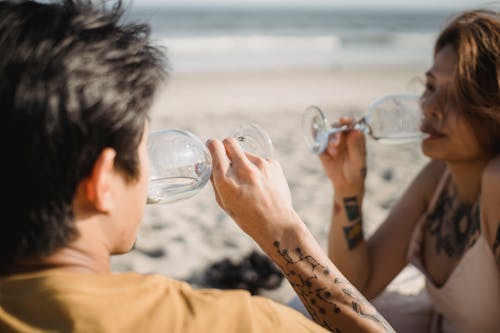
(430, 131)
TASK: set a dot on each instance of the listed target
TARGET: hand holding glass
(181, 165)
(391, 119)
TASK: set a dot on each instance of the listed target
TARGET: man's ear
(98, 186)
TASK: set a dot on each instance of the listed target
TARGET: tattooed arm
(344, 162)
(329, 297)
(490, 205)
(370, 264)
(255, 193)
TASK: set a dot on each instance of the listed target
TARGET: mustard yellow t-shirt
(62, 301)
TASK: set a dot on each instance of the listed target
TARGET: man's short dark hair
(74, 79)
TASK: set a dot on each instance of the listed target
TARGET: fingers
(220, 161)
(244, 165)
(234, 152)
(256, 160)
(354, 139)
(334, 142)
(216, 192)
(343, 141)
(346, 120)
(358, 147)
(230, 166)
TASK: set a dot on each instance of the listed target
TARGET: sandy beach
(181, 239)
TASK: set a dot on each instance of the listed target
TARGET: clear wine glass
(391, 119)
(181, 165)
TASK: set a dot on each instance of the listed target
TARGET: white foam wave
(207, 53)
(253, 44)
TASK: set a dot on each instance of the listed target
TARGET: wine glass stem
(343, 128)
(359, 125)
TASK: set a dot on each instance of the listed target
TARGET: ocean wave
(252, 44)
(276, 51)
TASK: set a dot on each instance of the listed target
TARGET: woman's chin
(430, 150)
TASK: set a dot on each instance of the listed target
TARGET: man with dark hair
(76, 88)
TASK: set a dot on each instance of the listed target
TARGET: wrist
(349, 191)
(288, 236)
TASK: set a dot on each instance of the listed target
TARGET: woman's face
(449, 135)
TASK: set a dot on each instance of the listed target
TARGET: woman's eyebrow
(429, 75)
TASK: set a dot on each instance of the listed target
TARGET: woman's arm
(372, 264)
(388, 246)
(254, 192)
(369, 264)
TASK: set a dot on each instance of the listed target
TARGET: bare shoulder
(417, 196)
(490, 204)
(427, 179)
(492, 170)
(433, 170)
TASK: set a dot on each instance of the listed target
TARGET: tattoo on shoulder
(319, 301)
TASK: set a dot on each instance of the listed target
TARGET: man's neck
(89, 253)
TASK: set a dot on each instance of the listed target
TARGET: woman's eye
(429, 87)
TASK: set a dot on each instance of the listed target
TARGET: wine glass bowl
(254, 139)
(395, 119)
(391, 119)
(314, 127)
(181, 165)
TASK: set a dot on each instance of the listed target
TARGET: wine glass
(390, 119)
(181, 165)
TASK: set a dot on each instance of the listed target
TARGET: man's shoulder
(147, 303)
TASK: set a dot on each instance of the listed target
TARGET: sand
(180, 239)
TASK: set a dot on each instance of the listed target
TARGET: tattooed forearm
(321, 301)
(354, 234)
(357, 302)
(352, 208)
(357, 306)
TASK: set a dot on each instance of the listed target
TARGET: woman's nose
(430, 107)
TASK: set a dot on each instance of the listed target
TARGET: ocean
(251, 38)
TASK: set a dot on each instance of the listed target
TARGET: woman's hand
(252, 190)
(344, 159)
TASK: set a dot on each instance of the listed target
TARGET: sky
(309, 3)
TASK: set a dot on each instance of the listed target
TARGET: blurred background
(266, 61)
(211, 35)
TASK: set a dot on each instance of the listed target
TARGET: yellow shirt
(62, 301)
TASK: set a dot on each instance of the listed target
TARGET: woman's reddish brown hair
(475, 36)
